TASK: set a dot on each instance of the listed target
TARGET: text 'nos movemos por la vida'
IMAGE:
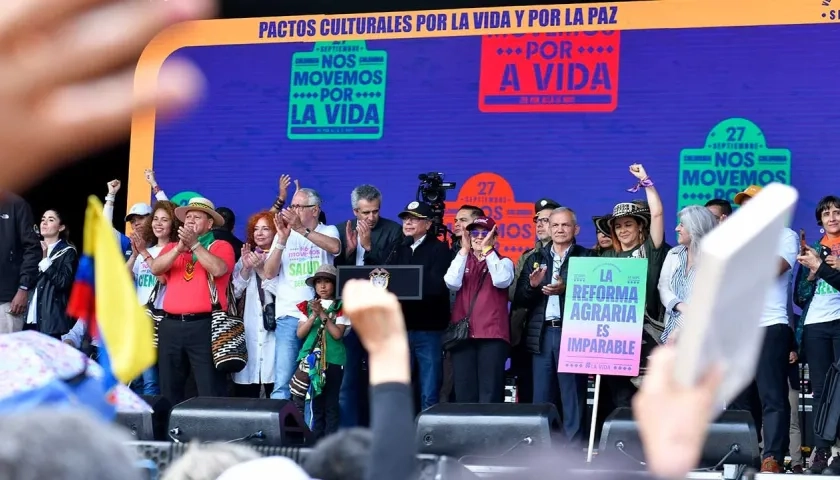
(484, 20)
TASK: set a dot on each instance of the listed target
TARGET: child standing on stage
(322, 357)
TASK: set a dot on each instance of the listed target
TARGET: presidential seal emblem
(413, 205)
(379, 278)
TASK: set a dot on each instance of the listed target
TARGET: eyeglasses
(541, 220)
(301, 206)
(478, 233)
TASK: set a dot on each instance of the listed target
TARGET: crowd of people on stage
(283, 278)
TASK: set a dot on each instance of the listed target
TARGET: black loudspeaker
(732, 439)
(500, 430)
(148, 426)
(247, 420)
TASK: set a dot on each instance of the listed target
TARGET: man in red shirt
(184, 333)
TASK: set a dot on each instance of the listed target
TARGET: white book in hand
(738, 264)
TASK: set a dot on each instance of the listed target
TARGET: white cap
(141, 209)
(277, 467)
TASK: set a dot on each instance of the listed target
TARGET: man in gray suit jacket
(366, 233)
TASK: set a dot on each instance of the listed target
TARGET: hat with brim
(602, 224)
(202, 205)
(416, 210)
(482, 223)
(748, 192)
(138, 210)
(630, 209)
(324, 271)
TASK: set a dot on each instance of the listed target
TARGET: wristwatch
(306, 232)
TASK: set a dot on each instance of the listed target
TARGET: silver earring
(822, 230)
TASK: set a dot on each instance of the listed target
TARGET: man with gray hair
(365, 235)
(63, 444)
(301, 245)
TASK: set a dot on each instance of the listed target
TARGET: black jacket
(431, 313)
(533, 299)
(383, 237)
(20, 249)
(53, 289)
(228, 236)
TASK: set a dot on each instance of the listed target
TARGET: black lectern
(404, 281)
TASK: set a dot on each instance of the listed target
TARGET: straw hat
(202, 205)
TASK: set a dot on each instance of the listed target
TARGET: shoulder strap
(259, 289)
(477, 291)
(154, 294)
(211, 284)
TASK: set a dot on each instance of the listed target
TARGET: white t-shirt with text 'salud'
(776, 305)
(301, 258)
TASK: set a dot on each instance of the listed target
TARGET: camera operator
(425, 319)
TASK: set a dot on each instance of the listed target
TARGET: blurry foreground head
(280, 468)
(208, 461)
(344, 455)
(63, 445)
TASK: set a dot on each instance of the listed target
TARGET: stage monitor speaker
(483, 430)
(246, 420)
(148, 426)
(732, 439)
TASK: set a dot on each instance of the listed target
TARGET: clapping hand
(556, 288)
(137, 242)
(352, 238)
(292, 219)
(283, 229)
(489, 240)
(316, 307)
(188, 236)
(537, 276)
(833, 261)
(363, 230)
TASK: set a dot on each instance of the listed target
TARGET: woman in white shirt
(249, 281)
(677, 276)
(159, 228)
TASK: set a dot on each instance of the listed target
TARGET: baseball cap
(748, 192)
(545, 204)
(140, 209)
(485, 223)
(417, 209)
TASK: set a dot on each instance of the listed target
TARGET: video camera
(432, 190)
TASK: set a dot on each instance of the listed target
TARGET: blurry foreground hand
(673, 420)
(376, 316)
(67, 77)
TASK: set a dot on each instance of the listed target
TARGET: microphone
(405, 242)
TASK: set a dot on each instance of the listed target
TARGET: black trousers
(771, 386)
(325, 407)
(821, 343)
(185, 346)
(252, 390)
(478, 370)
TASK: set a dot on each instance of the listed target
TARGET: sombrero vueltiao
(630, 209)
(202, 205)
(602, 224)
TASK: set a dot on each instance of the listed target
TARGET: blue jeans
(351, 384)
(287, 349)
(427, 355)
(547, 382)
(147, 382)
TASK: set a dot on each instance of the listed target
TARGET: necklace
(189, 271)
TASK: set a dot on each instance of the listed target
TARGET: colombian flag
(103, 293)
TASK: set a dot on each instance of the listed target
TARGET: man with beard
(367, 234)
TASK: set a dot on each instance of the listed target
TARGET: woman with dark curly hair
(249, 284)
(159, 228)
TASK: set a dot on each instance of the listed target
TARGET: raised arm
(657, 216)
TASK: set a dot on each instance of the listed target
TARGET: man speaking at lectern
(425, 319)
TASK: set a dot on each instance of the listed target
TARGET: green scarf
(205, 240)
(317, 375)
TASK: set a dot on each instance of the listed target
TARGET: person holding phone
(541, 288)
(818, 294)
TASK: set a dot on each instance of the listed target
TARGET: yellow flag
(124, 329)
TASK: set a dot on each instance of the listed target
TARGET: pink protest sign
(603, 316)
